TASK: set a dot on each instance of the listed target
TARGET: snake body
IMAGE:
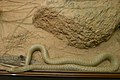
(67, 64)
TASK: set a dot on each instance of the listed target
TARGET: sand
(18, 34)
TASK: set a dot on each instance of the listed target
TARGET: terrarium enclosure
(59, 36)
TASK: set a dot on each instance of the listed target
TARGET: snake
(66, 63)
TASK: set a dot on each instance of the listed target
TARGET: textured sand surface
(18, 34)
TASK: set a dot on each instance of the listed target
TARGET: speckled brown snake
(67, 64)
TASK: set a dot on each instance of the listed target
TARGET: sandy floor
(17, 34)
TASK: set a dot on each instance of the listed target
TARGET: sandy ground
(18, 34)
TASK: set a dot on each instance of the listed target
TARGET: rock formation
(81, 23)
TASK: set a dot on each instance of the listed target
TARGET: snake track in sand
(67, 64)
